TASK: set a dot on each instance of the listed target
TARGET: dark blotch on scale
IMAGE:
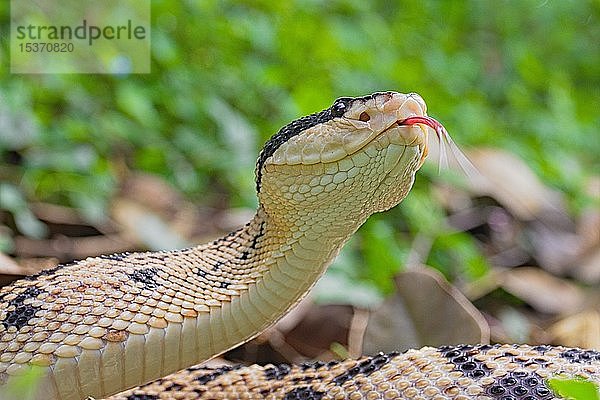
(147, 276)
(311, 365)
(214, 374)
(365, 367)
(22, 312)
(174, 387)
(255, 238)
(142, 397)
(303, 393)
(277, 371)
(115, 256)
(519, 385)
(580, 356)
(462, 357)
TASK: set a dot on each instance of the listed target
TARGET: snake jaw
(422, 121)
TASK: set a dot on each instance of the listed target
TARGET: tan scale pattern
(428, 373)
(88, 306)
(90, 309)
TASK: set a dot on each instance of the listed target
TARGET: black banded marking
(303, 393)
(211, 375)
(22, 313)
(462, 356)
(292, 129)
(365, 367)
(142, 397)
(253, 245)
(115, 256)
(261, 233)
(519, 385)
(174, 387)
(312, 365)
(146, 276)
(277, 371)
(580, 356)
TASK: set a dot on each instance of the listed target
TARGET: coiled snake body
(105, 324)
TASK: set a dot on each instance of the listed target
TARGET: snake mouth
(418, 138)
(446, 146)
(425, 120)
(440, 130)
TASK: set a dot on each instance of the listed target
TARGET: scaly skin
(453, 372)
(106, 324)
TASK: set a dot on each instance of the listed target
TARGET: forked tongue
(446, 147)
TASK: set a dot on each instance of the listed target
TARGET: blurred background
(93, 164)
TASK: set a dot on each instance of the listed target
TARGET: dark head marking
(294, 128)
(340, 106)
(286, 133)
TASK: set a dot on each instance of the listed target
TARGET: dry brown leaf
(67, 248)
(320, 326)
(9, 267)
(589, 269)
(10, 270)
(513, 184)
(556, 248)
(152, 191)
(145, 226)
(426, 310)
(542, 291)
(579, 330)
(57, 214)
(588, 225)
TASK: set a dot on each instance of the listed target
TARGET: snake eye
(338, 108)
(364, 116)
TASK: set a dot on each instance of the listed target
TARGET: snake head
(364, 150)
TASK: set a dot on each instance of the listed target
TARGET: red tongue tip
(431, 122)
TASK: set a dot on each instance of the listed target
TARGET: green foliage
(576, 389)
(523, 75)
(24, 386)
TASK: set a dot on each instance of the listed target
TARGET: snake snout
(416, 98)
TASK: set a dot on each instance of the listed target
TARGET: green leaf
(23, 387)
(576, 389)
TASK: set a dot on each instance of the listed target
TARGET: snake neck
(301, 246)
(303, 242)
(264, 269)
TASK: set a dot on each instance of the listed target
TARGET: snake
(97, 327)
